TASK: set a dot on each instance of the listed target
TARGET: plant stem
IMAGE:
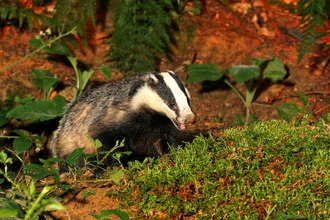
(263, 105)
(40, 48)
(235, 90)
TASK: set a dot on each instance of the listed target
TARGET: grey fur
(107, 113)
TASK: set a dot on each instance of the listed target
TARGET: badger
(145, 110)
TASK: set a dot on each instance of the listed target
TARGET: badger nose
(191, 120)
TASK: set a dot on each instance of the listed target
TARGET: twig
(40, 48)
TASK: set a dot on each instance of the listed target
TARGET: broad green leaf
(120, 214)
(88, 193)
(244, 73)
(44, 79)
(106, 70)
(275, 70)
(201, 72)
(60, 102)
(21, 144)
(303, 98)
(258, 62)
(42, 110)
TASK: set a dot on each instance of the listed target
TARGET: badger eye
(172, 105)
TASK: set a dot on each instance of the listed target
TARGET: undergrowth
(140, 35)
(67, 14)
(272, 170)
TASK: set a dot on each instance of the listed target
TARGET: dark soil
(217, 36)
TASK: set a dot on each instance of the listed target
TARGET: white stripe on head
(179, 95)
(145, 96)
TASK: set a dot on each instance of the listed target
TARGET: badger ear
(152, 82)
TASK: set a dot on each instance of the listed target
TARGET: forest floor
(217, 36)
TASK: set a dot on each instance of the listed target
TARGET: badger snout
(187, 121)
(190, 120)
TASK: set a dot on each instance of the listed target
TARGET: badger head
(166, 94)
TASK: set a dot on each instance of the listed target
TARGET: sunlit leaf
(244, 73)
(201, 72)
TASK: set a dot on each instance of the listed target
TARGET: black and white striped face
(165, 93)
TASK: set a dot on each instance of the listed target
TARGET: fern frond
(18, 12)
(313, 12)
(140, 35)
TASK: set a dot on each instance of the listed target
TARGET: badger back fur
(147, 110)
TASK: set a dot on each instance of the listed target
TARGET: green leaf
(201, 72)
(21, 132)
(13, 12)
(60, 102)
(303, 98)
(288, 110)
(53, 206)
(244, 73)
(275, 70)
(96, 216)
(3, 157)
(21, 144)
(117, 176)
(258, 62)
(25, 100)
(76, 153)
(38, 140)
(85, 77)
(21, 15)
(106, 70)
(326, 117)
(3, 119)
(11, 204)
(88, 193)
(36, 42)
(37, 172)
(44, 79)
(34, 168)
(5, 213)
(42, 110)
(4, 12)
(120, 214)
(59, 49)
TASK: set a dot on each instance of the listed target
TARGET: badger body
(147, 110)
